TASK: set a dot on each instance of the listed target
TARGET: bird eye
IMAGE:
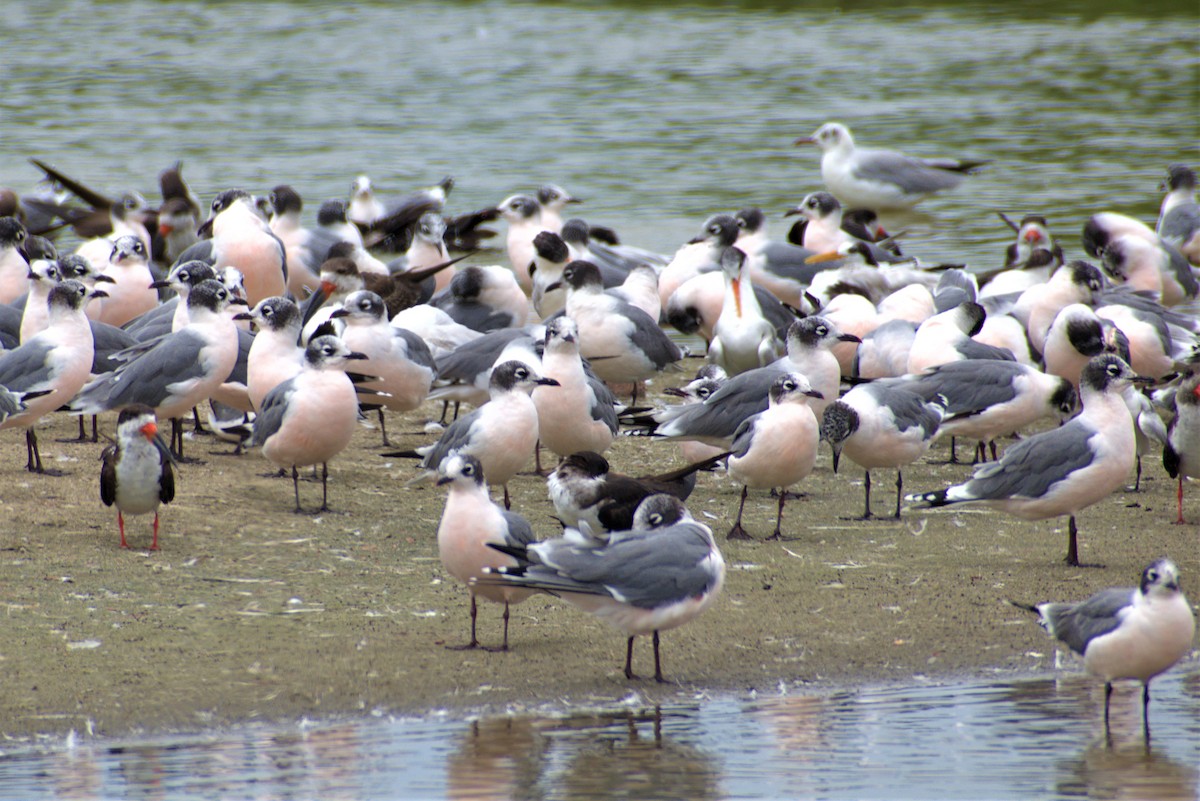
(655, 519)
(822, 330)
(20, 235)
(703, 393)
(522, 373)
(1152, 575)
(1114, 369)
(468, 470)
(789, 385)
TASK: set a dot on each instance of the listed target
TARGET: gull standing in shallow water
(657, 576)
(881, 179)
(1062, 470)
(1126, 632)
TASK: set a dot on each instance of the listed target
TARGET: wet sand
(251, 612)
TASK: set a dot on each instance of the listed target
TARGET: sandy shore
(252, 612)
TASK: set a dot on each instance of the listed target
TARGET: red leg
(154, 545)
(1179, 519)
(121, 526)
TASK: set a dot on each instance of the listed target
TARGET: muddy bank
(252, 612)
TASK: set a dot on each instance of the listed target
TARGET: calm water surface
(1025, 739)
(657, 115)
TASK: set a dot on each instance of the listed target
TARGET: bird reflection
(627, 756)
(496, 758)
(1131, 772)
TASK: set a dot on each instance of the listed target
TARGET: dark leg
(507, 500)
(1073, 560)
(633, 398)
(1108, 690)
(474, 643)
(980, 453)
(1146, 712)
(1073, 546)
(867, 496)
(383, 428)
(778, 533)
(737, 532)
(324, 487)
(34, 462)
(82, 430)
(992, 446)
(95, 428)
(296, 487)
(899, 491)
(445, 410)
(953, 450)
(504, 645)
(629, 674)
(457, 406)
(177, 437)
(199, 429)
(658, 676)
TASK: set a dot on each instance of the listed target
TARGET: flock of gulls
(286, 335)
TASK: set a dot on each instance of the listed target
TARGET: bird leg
(121, 528)
(1179, 499)
(34, 462)
(658, 676)
(629, 674)
(296, 488)
(507, 499)
(1072, 558)
(867, 496)
(1146, 713)
(737, 532)
(154, 544)
(324, 487)
(503, 648)
(383, 429)
(1108, 691)
(777, 534)
(899, 490)
(474, 643)
(992, 447)
(953, 450)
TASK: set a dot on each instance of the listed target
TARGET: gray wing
(1078, 624)
(519, 533)
(154, 323)
(911, 175)
(1180, 224)
(146, 379)
(27, 368)
(416, 348)
(602, 403)
(270, 416)
(972, 349)
(647, 569)
(1029, 468)
(458, 435)
(108, 340)
(718, 417)
(743, 438)
(470, 359)
(476, 316)
(240, 368)
(649, 337)
(969, 387)
(908, 408)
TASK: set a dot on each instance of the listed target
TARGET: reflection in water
(1037, 738)
(1127, 772)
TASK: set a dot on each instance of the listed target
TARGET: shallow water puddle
(1033, 738)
